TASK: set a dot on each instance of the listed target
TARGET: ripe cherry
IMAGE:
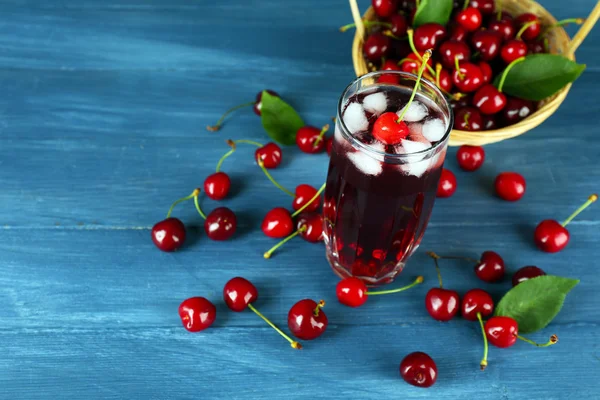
(447, 184)
(277, 223)
(220, 224)
(513, 49)
(501, 331)
(487, 43)
(510, 186)
(470, 158)
(450, 50)
(444, 80)
(411, 64)
(216, 186)
(310, 139)
(489, 122)
(389, 129)
(257, 106)
(489, 100)
(526, 273)
(428, 36)
(385, 8)
(313, 224)
(418, 369)
(390, 65)
(168, 234)
(468, 119)
(399, 25)
(306, 320)
(442, 304)
(352, 292)
(469, 18)
(534, 26)
(458, 33)
(537, 46)
(490, 267)
(388, 78)
(467, 77)
(516, 110)
(486, 7)
(504, 28)
(303, 194)
(551, 236)
(486, 71)
(376, 46)
(269, 154)
(476, 301)
(197, 314)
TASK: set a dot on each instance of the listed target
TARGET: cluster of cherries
(480, 42)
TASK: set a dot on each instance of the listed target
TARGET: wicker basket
(559, 43)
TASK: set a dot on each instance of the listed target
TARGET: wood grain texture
(102, 126)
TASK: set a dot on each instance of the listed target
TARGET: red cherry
(537, 46)
(526, 273)
(412, 63)
(388, 78)
(310, 140)
(168, 234)
(447, 184)
(197, 314)
(490, 267)
(501, 331)
(487, 43)
(516, 110)
(277, 223)
(220, 224)
(351, 292)
(418, 369)
(504, 28)
(445, 80)
(314, 227)
(399, 25)
(510, 186)
(390, 65)
(512, 50)
(306, 319)
(216, 186)
(303, 195)
(550, 236)
(388, 129)
(468, 78)
(470, 158)
(451, 50)
(442, 304)
(384, 8)
(489, 122)
(269, 154)
(533, 30)
(238, 293)
(486, 7)
(489, 100)
(476, 301)
(486, 71)
(258, 103)
(458, 33)
(469, 18)
(428, 35)
(376, 47)
(468, 119)
(328, 145)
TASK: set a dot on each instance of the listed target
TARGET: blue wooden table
(102, 126)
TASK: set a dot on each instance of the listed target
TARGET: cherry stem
(198, 207)
(499, 13)
(411, 43)
(438, 70)
(186, 198)
(318, 308)
(436, 256)
(466, 5)
(268, 175)
(217, 126)
(252, 142)
(563, 22)
(230, 152)
(310, 201)
(321, 134)
(390, 34)
(553, 340)
(268, 253)
(367, 24)
(589, 201)
(483, 362)
(457, 66)
(466, 119)
(506, 70)
(439, 273)
(426, 57)
(293, 343)
(524, 28)
(417, 281)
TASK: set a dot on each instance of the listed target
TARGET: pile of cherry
(477, 45)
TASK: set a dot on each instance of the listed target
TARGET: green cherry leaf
(535, 302)
(540, 76)
(437, 11)
(279, 119)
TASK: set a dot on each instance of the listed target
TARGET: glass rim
(357, 143)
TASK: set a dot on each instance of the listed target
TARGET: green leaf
(438, 11)
(535, 302)
(540, 76)
(279, 119)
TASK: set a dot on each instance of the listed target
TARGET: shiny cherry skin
(470, 158)
(504, 28)
(412, 64)
(550, 236)
(238, 293)
(351, 292)
(536, 46)
(469, 79)
(306, 138)
(269, 154)
(469, 18)
(388, 78)
(390, 65)
(329, 145)
(516, 110)
(277, 223)
(418, 369)
(447, 184)
(306, 320)
(533, 31)
(385, 8)
(168, 234)
(458, 33)
(487, 43)
(486, 71)
(303, 195)
(489, 122)
(452, 49)
(314, 226)
(220, 224)
(501, 331)
(526, 273)
(428, 36)
(399, 25)
(389, 130)
(510, 186)
(513, 49)
(464, 101)
(489, 100)
(442, 304)
(490, 267)
(216, 186)
(376, 46)
(486, 7)
(197, 314)
(445, 80)
(468, 119)
(476, 301)
(258, 102)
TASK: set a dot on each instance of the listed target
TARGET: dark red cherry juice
(379, 197)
